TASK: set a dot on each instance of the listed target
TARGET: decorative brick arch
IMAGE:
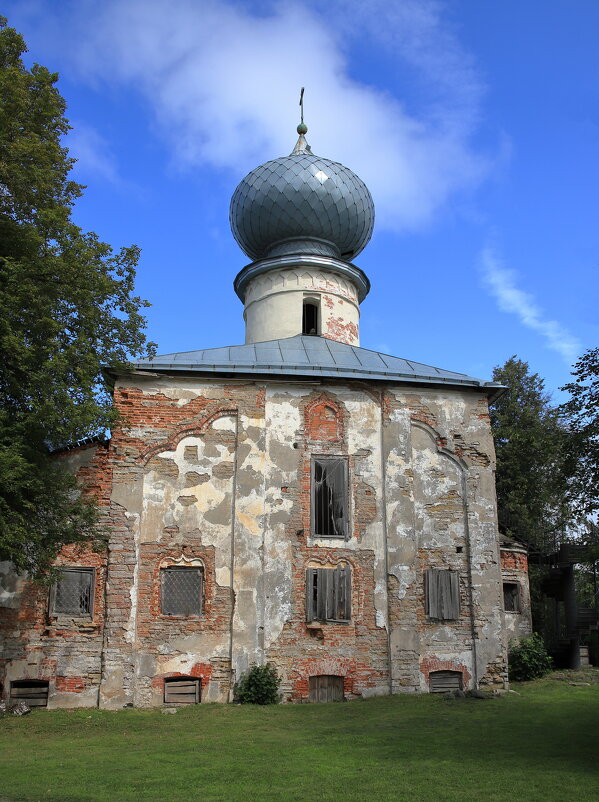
(440, 442)
(324, 420)
(430, 664)
(185, 430)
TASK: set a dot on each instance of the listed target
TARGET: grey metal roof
(305, 356)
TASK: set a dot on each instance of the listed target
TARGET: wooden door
(326, 688)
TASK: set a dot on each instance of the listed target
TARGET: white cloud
(502, 284)
(222, 78)
(92, 151)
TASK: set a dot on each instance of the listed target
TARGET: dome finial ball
(302, 129)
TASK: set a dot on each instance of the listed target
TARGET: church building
(297, 500)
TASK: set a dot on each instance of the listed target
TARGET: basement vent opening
(326, 688)
(34, 692)
(443, 681)
(182, 690)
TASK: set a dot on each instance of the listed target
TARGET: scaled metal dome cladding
(302, 204)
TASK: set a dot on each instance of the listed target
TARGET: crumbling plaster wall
(274, 304)
(216, 474)
(440, 498)
(64, 650)
(514, 568)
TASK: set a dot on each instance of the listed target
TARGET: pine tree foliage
(533, 459)
(67, 308)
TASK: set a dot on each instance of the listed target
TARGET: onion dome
(302, 204)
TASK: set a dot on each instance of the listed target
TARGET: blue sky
(475, 125)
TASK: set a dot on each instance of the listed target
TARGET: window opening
(442, 594)
(328, 594)
(182, 690)
(443, 681)
(310, 318)
(181, 591)
(511, 597)
(326, 688)
(34, 692)
(329, 497)
(73, 592)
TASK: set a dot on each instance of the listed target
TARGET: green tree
(533, 459)
(582, 411)
(67, 308)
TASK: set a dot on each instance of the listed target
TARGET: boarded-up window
(442, 681)
(73, 592)
(34, 692)
(326, 688)
(328, 594)
(442, 594)
(182, 690)
(181, 591)
(511, 597)
(329, 497)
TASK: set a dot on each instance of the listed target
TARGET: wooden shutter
(342, 593)
(311, 590)
(442, 594)
(328, 594)
(323, 588)
(443, 681)
(33, 692)
(329, 497)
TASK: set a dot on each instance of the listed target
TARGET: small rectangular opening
(34, 692)
(511, 597)
(310, 318)
(182, 690)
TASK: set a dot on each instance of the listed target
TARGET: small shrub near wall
(259, 686)
(528, 659)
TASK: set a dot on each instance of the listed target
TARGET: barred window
(442, 589)
(328, 594)
(181, 590)
(73, 592)
(329, 497)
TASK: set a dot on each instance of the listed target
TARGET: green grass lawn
(541, 744)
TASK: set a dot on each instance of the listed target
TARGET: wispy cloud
(222, 77)
(92, 152)
(502, 284)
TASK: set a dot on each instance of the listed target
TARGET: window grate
(72, 594)
(442, 594)
(181, 591)
(329, 497)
